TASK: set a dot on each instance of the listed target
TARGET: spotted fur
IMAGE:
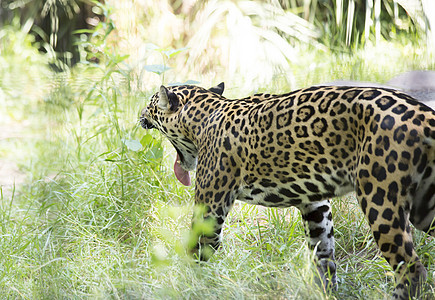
(304, 147)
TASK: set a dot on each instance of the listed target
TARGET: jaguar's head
(165, 113)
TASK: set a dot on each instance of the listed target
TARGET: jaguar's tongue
(180, 173)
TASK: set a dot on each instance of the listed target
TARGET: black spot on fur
(398, 239)
(388, 123)
(408, 115)
(373, 215)
(378, 198)
(368, 187)
(385, 102)
(288, 193)
(311, 187)
(384, 229)
(379, 172)
(370, 94)
(314, 216)
(273, 198)
(227, 144)
(316, 232)
(387, 214)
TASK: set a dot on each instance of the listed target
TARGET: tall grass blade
(350, 21)
(368, 20)
(377, 13)
(429, 12)
(339, 12)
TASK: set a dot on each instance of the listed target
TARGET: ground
(10, 173)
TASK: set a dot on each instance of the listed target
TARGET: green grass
(96, 219)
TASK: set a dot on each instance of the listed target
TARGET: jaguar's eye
(144, 112)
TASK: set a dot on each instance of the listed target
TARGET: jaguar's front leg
(320, 232)
(211, 209)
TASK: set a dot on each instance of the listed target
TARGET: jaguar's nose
(146, 124)
(143, 120)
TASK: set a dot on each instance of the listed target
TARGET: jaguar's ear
(167, 99)
(219, 89)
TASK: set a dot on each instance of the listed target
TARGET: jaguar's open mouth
(181, 174)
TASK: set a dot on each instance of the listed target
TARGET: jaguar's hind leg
(422, 214)
(389, 223)
(318, 217)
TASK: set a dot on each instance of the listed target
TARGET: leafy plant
(53, 23)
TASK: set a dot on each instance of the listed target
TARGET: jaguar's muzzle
(146, 124)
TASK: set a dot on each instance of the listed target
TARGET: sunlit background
(248, 43)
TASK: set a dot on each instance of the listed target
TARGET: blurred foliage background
(250, 42)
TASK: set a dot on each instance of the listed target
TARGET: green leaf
(151, 46)
(184, 83)
(111, 157)
(158, 69)
(147, 140)
(156, 152)
(110, 28)
(172, 52)
(83, 31)
(153, 147)
(133, 145)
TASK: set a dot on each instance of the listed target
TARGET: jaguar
(302, 149)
